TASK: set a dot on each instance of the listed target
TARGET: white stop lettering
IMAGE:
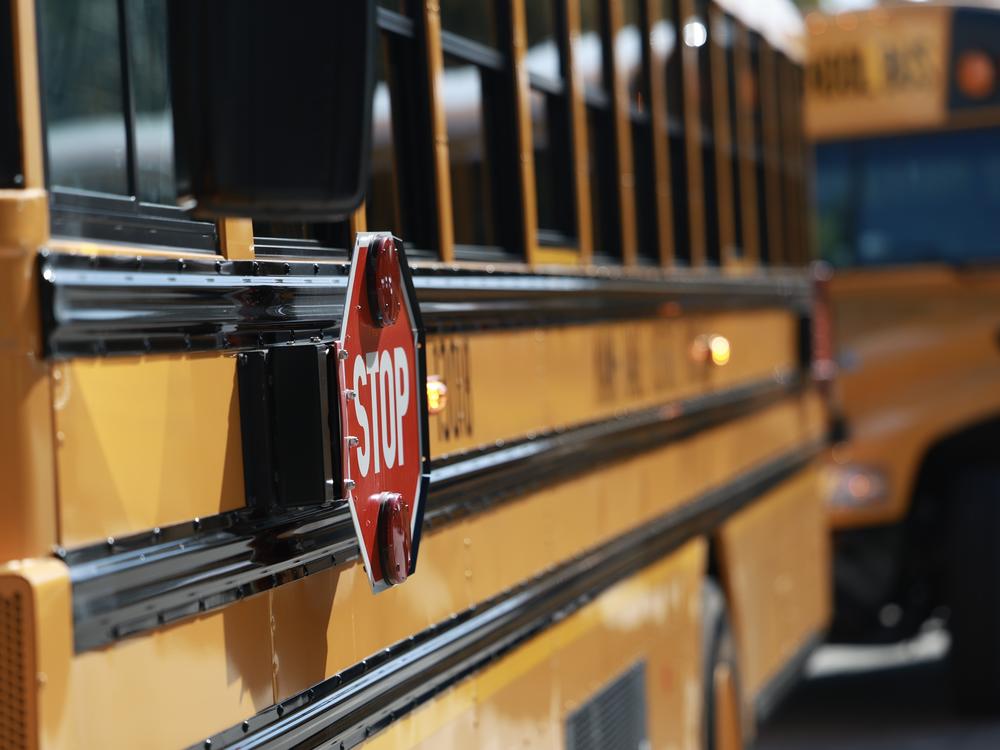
(386, 380)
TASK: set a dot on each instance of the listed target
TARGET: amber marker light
(976, 74)
(437, 394)
(720, 350)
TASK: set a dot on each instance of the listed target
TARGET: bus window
(381, 204)
(632, 49)
(401, 196)
(477, 99)
(758, 153)
(770, 151)
(594, 62)
(744, 98)
(146, 25)
(472, 19)
(470, 157)
(84, 97)
(796, 191)
(108, 125)
(905, 199)
(707, 115)
(10, 132)
(552, 134)
(729, 44)
(675, 116)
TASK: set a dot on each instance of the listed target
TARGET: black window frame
(706, 119)
(90, 215)
(756, 41)
(11, 167)
(738, 250)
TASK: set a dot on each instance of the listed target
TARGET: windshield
(910, 199)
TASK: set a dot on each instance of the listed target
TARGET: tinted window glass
(910, 199)
(590, 51)
(472, 199)
(728, 37)
(553, 166)
(629, 54)
(154, 135)
(543, 50)
(666, 37)
(603, 173)
(474, 19)
(83, 95)
(382, 205)
(10, 131)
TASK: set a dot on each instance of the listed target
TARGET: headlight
(855, 486)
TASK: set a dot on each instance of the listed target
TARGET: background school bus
(904, 112)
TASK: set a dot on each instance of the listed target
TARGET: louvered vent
(615, 718)
(13, 699)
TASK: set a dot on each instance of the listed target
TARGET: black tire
(719, 650)
(974, 586)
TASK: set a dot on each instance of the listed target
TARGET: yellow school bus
(407, 374)
(904, 110)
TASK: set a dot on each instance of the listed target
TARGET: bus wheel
(975, 590)
(722, 717)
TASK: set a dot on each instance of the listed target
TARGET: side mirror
(272, 106)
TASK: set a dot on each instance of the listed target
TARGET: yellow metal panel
(775, 564)
(523, 699)
(145, 442)
(556, 256)
(236, 238)
(27, 502)
(508, 383)
(174, 687)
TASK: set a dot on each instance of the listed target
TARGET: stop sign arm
(384, 438)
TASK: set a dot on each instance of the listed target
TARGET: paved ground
(885, 698)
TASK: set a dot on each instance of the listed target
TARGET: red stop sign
(382, 377)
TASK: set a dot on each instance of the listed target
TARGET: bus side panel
(524, 699)
(152, 441)
(330, 620)
(506, 384)
(776, 566)
(145, 442)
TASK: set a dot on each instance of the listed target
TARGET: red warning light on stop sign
(383, 409)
